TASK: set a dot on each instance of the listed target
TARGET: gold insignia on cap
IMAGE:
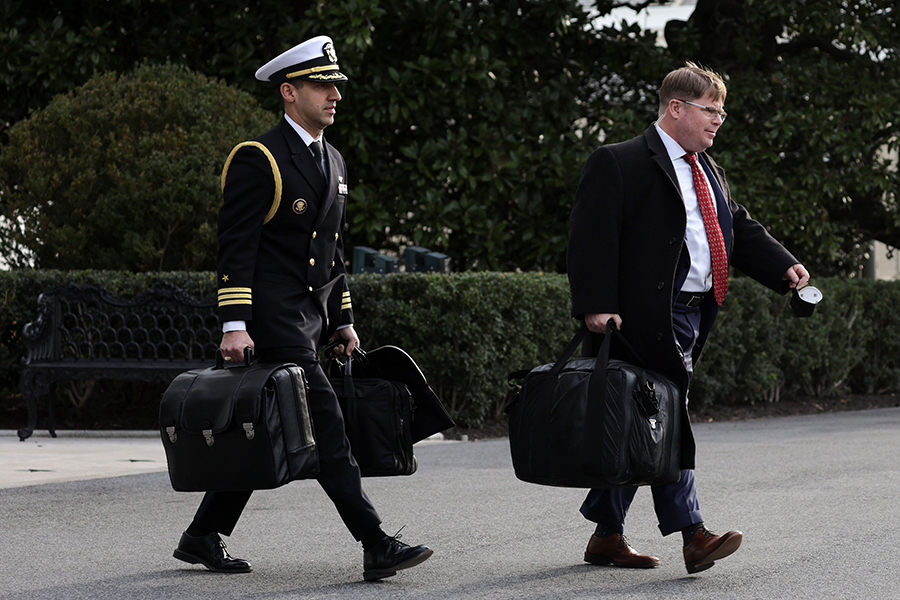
(299, 206)
(321, 76)
(328, 51)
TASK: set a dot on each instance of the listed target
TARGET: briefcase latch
(207, 433)
(173, 437)
(248, 431)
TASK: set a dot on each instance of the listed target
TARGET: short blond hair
(690, 82)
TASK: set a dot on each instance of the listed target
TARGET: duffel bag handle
(570, 349)
(611, 325)
(603, 355)
(349, 386)
(597, 390)
(579, 336)
(358, 352)
(558, 365)
(598, 379)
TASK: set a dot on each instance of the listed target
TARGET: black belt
(691, 299)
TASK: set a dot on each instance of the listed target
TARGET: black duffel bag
(595, 422)
(378, 416)
(388, 406)
(245, 427)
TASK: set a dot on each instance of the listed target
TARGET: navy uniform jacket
(626, 251)
(280, 239)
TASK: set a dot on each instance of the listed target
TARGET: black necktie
(316, 148)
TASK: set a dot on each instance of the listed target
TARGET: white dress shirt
(699, 277)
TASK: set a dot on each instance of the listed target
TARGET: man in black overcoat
(642, 255)
(283, 291)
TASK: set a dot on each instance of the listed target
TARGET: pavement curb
(86, 433)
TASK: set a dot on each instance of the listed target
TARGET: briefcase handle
(248, 358)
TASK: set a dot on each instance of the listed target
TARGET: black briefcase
(378, 416)
(595, 422)
(246, 427)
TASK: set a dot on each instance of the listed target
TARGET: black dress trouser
(338, 472)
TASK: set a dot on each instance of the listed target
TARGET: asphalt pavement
(94, 517)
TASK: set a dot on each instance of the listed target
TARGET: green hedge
(760, 352)
(468, 330)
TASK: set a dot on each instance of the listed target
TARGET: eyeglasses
(711, 111)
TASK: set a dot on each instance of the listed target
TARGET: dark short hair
(691, 82)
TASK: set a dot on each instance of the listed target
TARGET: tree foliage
(465, 124)
(461, 128)
(123, 172)
(814, 98)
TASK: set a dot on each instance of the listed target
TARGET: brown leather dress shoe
(614, 550)
(707, 547)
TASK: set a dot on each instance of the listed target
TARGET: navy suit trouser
(676, 504)
(338, 472)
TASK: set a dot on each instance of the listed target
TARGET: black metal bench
(83, 332)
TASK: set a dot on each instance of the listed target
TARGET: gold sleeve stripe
(230, 302)
(346, 306)
(235, 295)
(234, 290)
(276, 200)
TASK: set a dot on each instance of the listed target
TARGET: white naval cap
(313, 60)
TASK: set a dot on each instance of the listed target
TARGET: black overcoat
(626, 251)
(280, 238)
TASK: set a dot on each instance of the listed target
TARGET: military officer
(283, 292)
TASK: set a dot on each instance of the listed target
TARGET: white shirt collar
(672, 147)
(304, 134)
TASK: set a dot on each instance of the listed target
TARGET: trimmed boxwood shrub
(123, 172)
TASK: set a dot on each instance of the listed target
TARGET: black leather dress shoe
(210, 551)
(390, 556)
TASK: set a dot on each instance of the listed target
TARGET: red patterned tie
(713, 232)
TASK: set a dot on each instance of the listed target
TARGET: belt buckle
(694, 301)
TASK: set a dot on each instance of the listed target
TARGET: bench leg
(27, 386)
(51, 418)
(34, 384)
